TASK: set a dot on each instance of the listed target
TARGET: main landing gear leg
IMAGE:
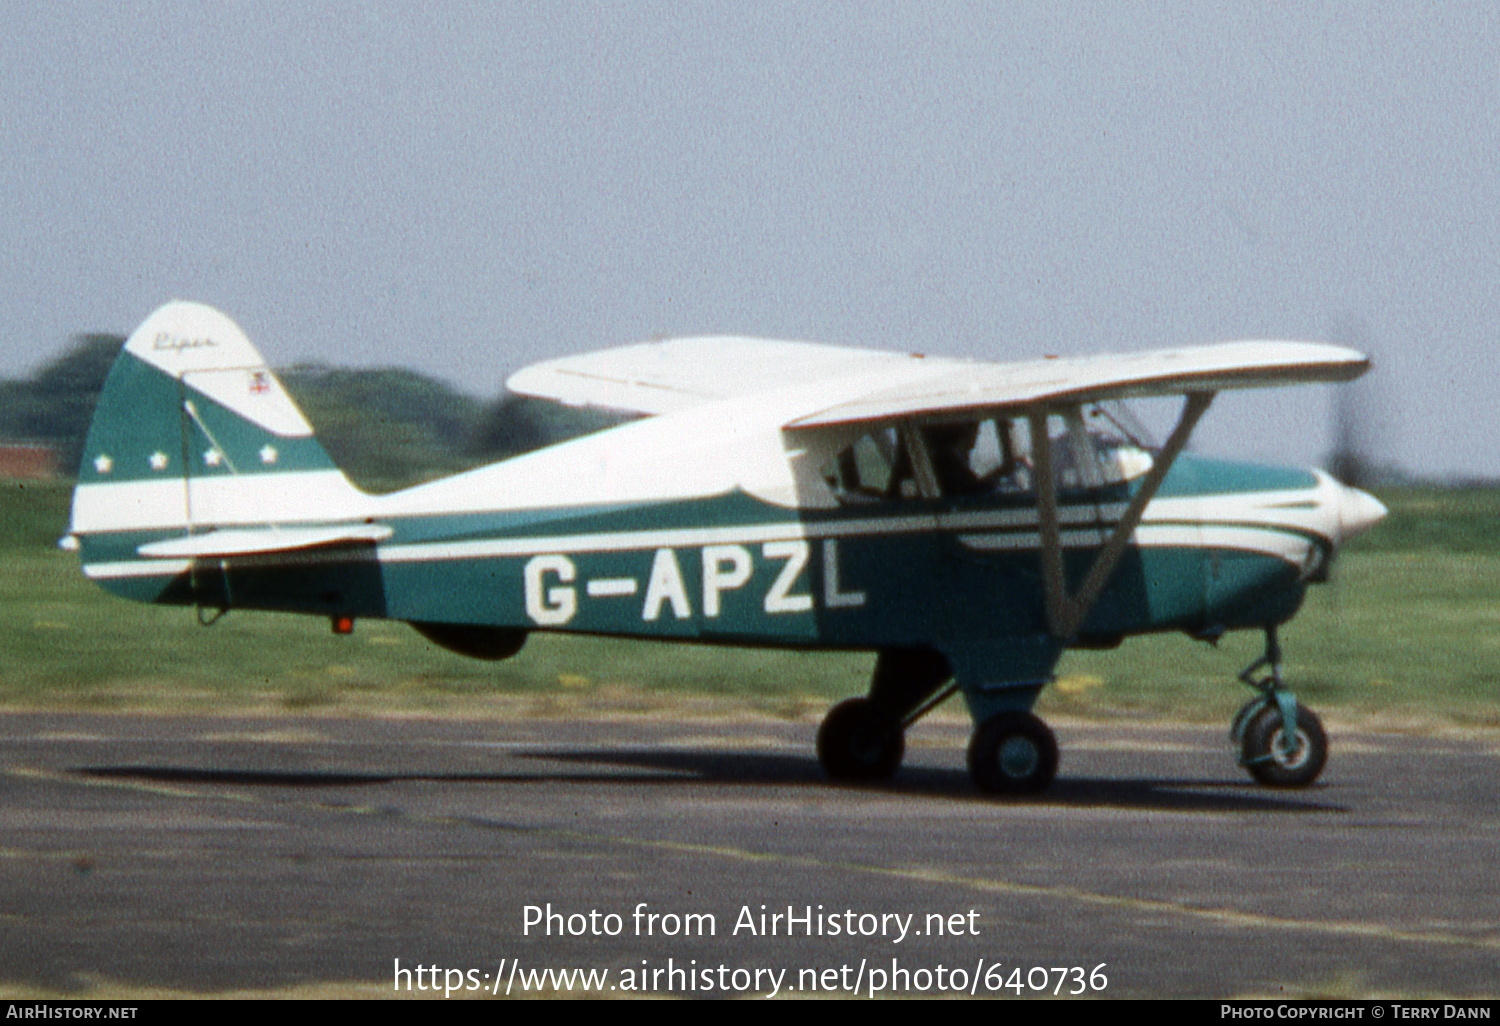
(863, 739)
(1281, 742)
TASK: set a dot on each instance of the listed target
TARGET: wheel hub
(869, 744)
(1291, 755)
(1018, 757)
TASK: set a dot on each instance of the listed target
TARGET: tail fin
(192, 431)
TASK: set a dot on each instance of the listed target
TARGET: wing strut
(1065, 614)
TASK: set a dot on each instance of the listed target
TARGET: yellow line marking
(1222, 916)
(28, 773)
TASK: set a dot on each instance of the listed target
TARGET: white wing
(675, 374)
(839, 385)
(1212, 368)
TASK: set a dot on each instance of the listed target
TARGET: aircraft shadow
(636, 766)
(1164, 794)
(341, 778)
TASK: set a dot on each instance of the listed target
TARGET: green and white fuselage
(715, 519)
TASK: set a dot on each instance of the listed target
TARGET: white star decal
(213, 457)
(268, 454)
(158, 461)
(103, 464)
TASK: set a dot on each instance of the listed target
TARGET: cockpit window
(980, 457)
(1091, 447)
(877, 466)
(1121, 444)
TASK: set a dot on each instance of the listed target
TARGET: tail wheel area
(1276, 760)
(1014, 754)
(858, 741)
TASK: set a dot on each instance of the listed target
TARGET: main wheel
(1013, 753)
(859, 742)
(1274, 760)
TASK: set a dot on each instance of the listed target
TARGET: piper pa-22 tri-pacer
(967, 522)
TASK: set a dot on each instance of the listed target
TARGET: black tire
(859, 742)
(1013, 753)
(1242, 720)
(1270, 760)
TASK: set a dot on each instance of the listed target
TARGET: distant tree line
(386, 427)
(55, 404)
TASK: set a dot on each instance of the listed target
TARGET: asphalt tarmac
(309, 854)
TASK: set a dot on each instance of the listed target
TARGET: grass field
(1409, 635)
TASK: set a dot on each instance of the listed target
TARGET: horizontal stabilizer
(262, 540)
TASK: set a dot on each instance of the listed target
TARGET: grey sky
(466, 188)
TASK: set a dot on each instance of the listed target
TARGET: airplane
(967, 522)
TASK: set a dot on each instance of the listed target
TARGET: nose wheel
(1281, 742)
(1275, 759)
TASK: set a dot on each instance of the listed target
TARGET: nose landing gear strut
(1281, 742)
